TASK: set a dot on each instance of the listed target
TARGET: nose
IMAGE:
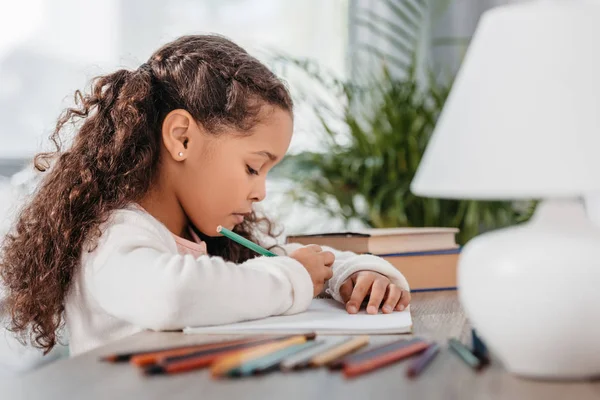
(259, 191)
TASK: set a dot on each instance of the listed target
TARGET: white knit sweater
(135, 279)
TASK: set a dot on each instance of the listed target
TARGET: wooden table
(436, 316)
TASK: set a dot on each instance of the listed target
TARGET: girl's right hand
(318, 264)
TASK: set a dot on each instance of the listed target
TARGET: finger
(378, 290)
(346, 290)
(361, 289)
(328, 273)
(391, 299)
(404, 300)
(318, 289)
(328, 258)
(314, 247)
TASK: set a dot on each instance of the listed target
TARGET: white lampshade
(523, 117)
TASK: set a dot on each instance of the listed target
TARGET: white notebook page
(324, 316)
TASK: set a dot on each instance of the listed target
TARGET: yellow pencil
(224, 364)
(339, 351)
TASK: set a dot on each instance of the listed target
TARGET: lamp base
(533, 292)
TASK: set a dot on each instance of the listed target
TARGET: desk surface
(436, 316)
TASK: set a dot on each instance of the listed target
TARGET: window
(49, 49)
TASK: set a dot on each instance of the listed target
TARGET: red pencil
(188, 364)
(367, 365)
(176, 364)
(373, 352)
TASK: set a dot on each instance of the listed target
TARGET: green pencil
(245, 242)
(465, 354)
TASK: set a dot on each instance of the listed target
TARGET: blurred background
(369, 78)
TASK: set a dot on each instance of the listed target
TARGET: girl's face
(222, 176)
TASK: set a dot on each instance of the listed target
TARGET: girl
(121, 235)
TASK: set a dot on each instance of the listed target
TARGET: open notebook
(324, 316)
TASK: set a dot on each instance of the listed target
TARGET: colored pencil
(125, 357)
(198, 360)
(479, 349)
(241, 346)
(268, 362)
(339, 351)
(421, 362)
(223, 364)
(302, 359)
(374, 352)
(465, 354)
(245, 242)
(149, 358)
(354, 369)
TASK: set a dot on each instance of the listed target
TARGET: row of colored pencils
(262, 354)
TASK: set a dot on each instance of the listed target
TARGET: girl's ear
(179, 129)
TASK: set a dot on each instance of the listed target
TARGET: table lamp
(523, 122)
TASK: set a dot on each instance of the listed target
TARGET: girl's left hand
(381, 291)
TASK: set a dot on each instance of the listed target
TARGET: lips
(239, 217)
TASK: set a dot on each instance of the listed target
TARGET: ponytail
(113, 160)
(110, 163)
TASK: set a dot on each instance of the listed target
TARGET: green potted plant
(373, 144)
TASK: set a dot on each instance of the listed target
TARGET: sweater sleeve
(347, 263)
(136, 277)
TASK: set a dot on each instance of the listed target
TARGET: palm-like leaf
(383, 144)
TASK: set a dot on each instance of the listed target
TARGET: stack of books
(427, 257)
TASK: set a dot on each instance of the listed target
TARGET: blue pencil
(479, 348)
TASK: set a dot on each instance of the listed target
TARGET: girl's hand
(381, 291)
(317, 263)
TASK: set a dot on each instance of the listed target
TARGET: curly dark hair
(113, 160)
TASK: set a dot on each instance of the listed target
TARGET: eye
(251, 170)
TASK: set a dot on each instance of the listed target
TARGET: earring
(180, 154)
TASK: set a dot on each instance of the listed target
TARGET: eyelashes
(251, 170)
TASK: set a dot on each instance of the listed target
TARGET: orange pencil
(144, 359)
(226, 363)
(177, 364)
(189, 363)
(367, 365)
